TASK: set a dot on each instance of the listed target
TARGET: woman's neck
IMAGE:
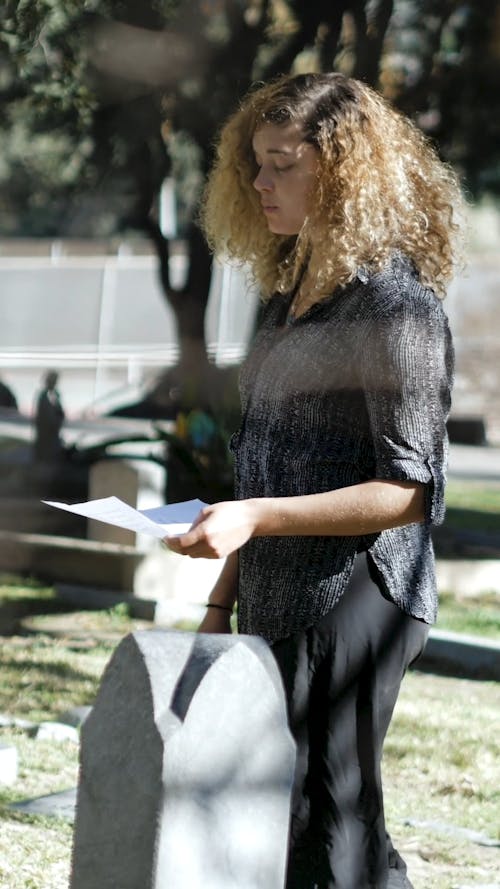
(307, 291)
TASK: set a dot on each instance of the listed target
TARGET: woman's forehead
(279, 138)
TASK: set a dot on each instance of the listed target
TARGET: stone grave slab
(60, 805)
(186, 767)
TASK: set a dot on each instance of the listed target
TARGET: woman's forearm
(222, 528)
(360, 509)
(225, 589)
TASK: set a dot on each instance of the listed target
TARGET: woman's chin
(278, 229)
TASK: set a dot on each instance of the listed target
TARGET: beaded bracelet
(222, 607)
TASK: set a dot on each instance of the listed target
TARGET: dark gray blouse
(357, 388)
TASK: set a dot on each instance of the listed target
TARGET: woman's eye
(274, 167)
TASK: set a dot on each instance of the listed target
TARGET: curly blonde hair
(380, 187)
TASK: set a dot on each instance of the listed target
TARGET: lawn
(441, 762)
(442, 755)
(472, 505)
(476, 615)
(474, 495)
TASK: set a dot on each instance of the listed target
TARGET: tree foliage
(102, 99)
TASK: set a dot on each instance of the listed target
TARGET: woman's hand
(216, 620)
(217, 531)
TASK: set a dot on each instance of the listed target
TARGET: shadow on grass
(436, 667)
(473, 520)
(42, 669)
(468, 533)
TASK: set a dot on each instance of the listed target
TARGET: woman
(350, 224)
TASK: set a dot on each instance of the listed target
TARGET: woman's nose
(262, 181)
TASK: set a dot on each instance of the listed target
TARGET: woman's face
(286, 177)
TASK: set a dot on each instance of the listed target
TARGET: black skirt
(342, 678)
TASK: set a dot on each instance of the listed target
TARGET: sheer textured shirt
(357, 388)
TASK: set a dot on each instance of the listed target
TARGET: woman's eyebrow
(285, 151)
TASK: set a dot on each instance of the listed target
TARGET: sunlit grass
(441, 760)
(38, 676)
(474, 506)
(13, 588)
(442, 767)
(441, 764)
(474, 495)
(477, 615)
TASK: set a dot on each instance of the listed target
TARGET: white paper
(161, 521)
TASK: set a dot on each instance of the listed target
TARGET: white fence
(102, 320)
(104, 323)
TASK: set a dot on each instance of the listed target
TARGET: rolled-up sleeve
(406, 364)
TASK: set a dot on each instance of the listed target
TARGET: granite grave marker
(186, 768)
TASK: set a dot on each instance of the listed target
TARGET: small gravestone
(57, 731)
(106, 477)
(8, 764)
(76, 716)
(186, 768)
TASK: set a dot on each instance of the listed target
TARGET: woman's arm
(217, 619)
(220, 529)
(405, 359)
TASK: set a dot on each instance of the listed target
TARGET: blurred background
(120, 343)
(108, 114)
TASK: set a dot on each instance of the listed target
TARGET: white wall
(103, 321)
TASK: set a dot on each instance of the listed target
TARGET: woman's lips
(269, 208)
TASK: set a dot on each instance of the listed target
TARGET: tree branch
(370, 36)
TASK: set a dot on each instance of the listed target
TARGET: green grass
(442, 764)
(14, 588)
(473, 495)
(41, 678)
(477, 615)
(473, 505)
(441, 761)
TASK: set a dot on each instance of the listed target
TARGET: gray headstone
(107, 477)
(186, 768)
